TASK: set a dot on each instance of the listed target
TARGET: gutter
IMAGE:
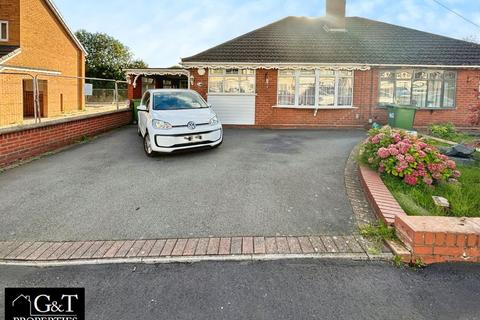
(282, 65)
(271, 65)
(29, 69)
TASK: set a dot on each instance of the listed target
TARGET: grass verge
(464, 197)
(377, 234)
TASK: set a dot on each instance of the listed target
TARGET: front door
(28, 105)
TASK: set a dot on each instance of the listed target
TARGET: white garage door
(234, 109)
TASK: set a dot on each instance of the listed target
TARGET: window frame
(6, 31)
(225, 75)
(428, 81)
(316, 105)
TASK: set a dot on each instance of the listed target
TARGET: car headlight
(214, 121)
(159, 124)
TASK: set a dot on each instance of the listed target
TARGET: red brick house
(35, 39)
(336, 71)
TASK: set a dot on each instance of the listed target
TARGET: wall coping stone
(60, 121)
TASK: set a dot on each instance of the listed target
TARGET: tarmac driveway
(259, 182)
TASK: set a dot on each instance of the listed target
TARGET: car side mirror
(209, 105)
(142, 108)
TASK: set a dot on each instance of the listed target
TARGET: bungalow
(336, 71)
(36, 41)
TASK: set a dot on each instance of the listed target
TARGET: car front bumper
(186, 140)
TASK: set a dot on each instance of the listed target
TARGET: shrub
(474, 117)
(444, 131)
(396, 153)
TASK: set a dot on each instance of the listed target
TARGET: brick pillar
(200, 83)
(81, 82)
(135, 93)
(266, 90)
(158, 83)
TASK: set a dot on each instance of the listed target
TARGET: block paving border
(360, 206)
(28, 251)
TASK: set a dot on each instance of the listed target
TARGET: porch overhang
(275, 65)
(136, 73)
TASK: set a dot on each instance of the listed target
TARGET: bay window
(419, 88)
(231, 81)
(315, 88)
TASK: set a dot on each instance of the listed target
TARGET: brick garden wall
(440, 239)
(429, 239)
(20, 144)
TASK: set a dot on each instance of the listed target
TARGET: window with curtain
(231, 81)
(326, 88)
(315, 88)
(306, 85)
(286, 87)
(419, 88)
(345, 88)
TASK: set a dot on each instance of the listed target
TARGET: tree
(107, 56)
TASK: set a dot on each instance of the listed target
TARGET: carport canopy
(140, 80)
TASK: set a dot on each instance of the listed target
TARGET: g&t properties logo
(44, 303)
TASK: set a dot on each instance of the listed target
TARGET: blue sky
(161, 32)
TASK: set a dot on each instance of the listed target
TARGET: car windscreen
(177, 101)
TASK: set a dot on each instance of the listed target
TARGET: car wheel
(147, 146)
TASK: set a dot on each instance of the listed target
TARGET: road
(295, 289)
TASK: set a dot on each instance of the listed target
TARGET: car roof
(170, 90)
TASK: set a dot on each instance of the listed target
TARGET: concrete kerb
(195, 259)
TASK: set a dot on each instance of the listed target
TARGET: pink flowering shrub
(397, 153)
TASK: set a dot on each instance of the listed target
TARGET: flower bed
(414, 171)
(399, 154)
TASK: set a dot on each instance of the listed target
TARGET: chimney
(335, 12)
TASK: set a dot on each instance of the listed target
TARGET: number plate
(194, 138)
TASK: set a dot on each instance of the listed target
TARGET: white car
(174, 119)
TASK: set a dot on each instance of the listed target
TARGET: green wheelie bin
(135, 104)
(401, 116)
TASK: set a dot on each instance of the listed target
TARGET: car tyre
(147, 146)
